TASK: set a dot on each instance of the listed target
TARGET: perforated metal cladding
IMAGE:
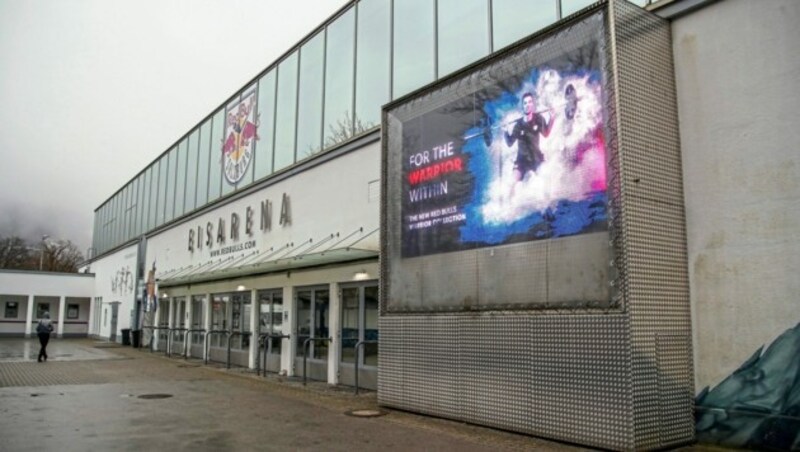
(654, 235)
(618, 376)
(561, 376)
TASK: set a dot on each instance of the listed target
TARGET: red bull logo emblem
(240, 136)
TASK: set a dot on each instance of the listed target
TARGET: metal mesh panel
(654, 229)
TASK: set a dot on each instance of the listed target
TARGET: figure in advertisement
(525, 132)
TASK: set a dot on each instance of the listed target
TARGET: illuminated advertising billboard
(496, 182)
(518, 160)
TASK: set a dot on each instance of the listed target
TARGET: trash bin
(136, 336)
(126, 336)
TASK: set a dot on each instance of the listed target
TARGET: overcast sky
(91, 91)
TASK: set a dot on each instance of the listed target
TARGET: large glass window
(191, 170)
(112, 226)
(169, 207)
(339, 59)
(215, 160)
(180, 181)
(119, 226)
(163, 168)
(130, 217)
(463, 33)
(202, 163)
(148, 186)
(373, 62)
(141, 183)
(413, 45)
(515, 19)
(285, 115)
(312, 321)
(309, 107)
(266, 125)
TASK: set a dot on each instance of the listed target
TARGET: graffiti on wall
(758, 406)
(123, 281)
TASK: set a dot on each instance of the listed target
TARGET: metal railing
(152, 343)
(262, 339)
(170, 332)
(187, 345)
(205, 342)
(355, 349)
(231, 335)
(305, 353)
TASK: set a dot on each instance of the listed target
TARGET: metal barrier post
(230, 336)
(155, 330)
(268, 346)
(355, 349)
(305, 353)
(208, 333)
(187, 350)
(170, 331)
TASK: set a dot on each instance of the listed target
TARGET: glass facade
(266, 125)
(414, 45)
(339, 58)
(329, 89)
(286, 112)
(463, 33)
(373, 62)
(309, 97)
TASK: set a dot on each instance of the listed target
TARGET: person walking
(43, 329)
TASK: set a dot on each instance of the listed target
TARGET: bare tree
(14, 253)
(47, 255)
(61, 256)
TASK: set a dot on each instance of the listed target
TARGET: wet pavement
(98, 396)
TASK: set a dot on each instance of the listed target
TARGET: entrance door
(179, 321)
(271, 322)
(359, 323)
(163, 323)
(313, 309)
(198, 320)
(114, 315)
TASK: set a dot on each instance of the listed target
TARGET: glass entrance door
(197, 322)
(271, 322)
(360, 323)
(313, 310)
(179, 321)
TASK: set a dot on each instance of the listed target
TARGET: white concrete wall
(115, 277)
(24, 287)
(738, 85)
(338, 196)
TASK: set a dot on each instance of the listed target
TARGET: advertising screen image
(521, 159)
